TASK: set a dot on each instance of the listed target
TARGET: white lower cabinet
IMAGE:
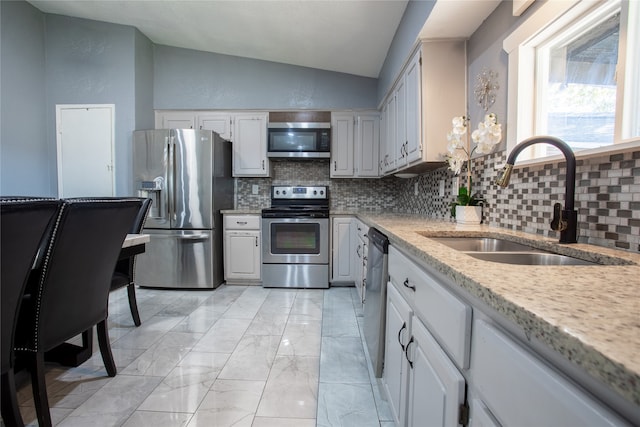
(341, 245)
(519, 389)
(436, 387)
(423, 384)
(242, 249)
(360, 241)
(398, 332)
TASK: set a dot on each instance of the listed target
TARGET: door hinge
(463, 414)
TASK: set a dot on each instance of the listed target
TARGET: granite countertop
(241, 212)
(588, 314)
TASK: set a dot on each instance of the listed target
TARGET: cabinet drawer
(521, 390)
(446, 316)
(242, 222)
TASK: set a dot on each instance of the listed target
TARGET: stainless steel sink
(529, 258)
(483, 244)
(506, 251)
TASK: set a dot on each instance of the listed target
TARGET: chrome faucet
(564, 220)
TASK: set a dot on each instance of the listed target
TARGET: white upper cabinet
(342, 142)
(176, 120)
(418, 110)
(367, 145)
(388, 151)
(221, 123)
(247, 131)
(250, 145)
(413, 111)
(355, 144)
(443, 90)
(400, 146)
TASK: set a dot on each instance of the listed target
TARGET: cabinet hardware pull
(406, 353)
(406, 284)
(256, 241)
(241, 222)
(335, 165)
(404, 326)
(263, 165)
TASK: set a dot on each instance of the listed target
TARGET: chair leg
(39, 386)
(105, 348)
(10, 411)
(133, 304)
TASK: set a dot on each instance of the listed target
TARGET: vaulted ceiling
(349, 36)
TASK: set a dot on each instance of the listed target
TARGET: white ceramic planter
(468, 214)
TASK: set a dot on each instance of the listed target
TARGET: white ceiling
(348, 36)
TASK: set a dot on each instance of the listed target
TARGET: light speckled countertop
(589, 314)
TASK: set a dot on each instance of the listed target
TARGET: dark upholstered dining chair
(69, 294)
(23, 223)
(124, 271)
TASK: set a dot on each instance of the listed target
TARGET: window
(570, 63)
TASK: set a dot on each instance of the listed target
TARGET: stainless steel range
(295, 236)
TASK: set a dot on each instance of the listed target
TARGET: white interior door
(85, 140)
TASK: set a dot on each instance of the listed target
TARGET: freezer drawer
(179, 259)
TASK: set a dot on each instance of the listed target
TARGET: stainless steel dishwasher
(375, 303)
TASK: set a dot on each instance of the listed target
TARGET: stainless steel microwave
(299, 140)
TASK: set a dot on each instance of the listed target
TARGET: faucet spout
(569, 217)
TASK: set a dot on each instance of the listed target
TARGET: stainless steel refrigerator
(187, 173)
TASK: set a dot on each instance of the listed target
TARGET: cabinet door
(398, 331)
(436, 387)
(389, 159)
(401, 124)
(413, 111)
(341, 145)
(176, 120)
(242, 255)
(341, 246)
(218, 122)
(367, 145)
(357, 258)
(250, 145)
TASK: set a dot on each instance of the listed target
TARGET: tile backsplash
(607, 194)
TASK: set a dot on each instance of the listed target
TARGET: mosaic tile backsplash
(607, 194)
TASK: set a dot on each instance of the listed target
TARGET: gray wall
(143, 82)
(484, 51)
(413, 19)
(24, 154)
(189, 79)
(91, 62)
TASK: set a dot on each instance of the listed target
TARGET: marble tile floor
(235, 356)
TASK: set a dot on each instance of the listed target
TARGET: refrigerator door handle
(194, 237)
(174, 190)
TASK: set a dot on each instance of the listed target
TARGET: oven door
(295, 240)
